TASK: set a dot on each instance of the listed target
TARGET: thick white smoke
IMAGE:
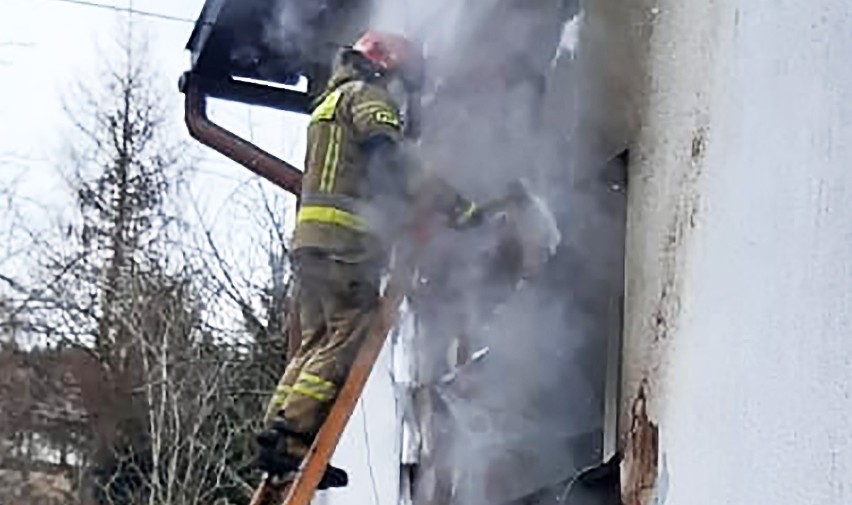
(504, 103)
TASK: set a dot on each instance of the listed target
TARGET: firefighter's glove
(468, 216)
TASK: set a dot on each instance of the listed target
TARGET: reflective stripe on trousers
(307, 384)
(314, 386)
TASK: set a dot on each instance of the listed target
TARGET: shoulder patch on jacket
(374, 112)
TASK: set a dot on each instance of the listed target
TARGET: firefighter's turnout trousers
(337, 301)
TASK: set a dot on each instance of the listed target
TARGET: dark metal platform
(256, 52)
(270, 41)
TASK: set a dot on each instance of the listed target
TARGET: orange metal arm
(262, 163)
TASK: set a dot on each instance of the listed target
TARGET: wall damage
(641, 464)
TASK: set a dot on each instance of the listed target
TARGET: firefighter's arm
(394, 163)
(435, 193)
(378, 129)
(402, 169)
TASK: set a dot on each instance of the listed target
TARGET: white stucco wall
(739, 298)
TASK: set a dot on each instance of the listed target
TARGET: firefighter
(361, 186)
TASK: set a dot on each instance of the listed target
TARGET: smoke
(503, 102)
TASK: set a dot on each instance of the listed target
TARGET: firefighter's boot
(281, 451)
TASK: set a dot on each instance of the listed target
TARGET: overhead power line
(128, 10)
(376, 500)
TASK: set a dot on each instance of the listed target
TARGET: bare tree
(261, 300)
(101, 297)
(106, 289)
(133, 393)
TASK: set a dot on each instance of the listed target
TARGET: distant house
(42, 423)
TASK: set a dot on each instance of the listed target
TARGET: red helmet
(388, 51)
